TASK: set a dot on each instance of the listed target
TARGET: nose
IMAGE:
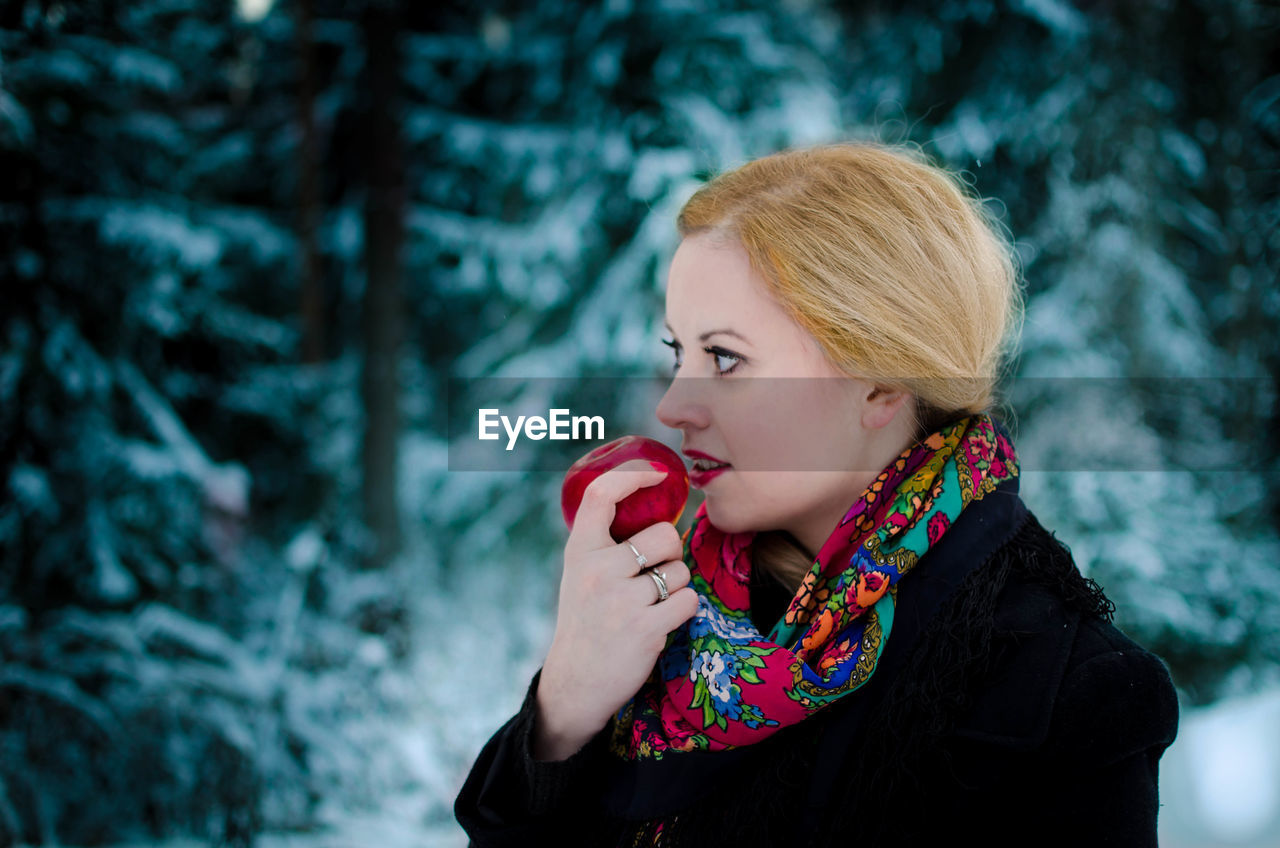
(681, 408)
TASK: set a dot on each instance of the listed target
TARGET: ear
(882, 406)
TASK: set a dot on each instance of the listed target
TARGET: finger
(600, 499)
(675, 576)
(675, 610)
(645, 588)
(657, 543)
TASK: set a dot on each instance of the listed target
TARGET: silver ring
(659, 580)
(641, 559)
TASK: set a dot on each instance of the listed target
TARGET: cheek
(803, 443)
(828, 438)
(767, 436)
(789, 425)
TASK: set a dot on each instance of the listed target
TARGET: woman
(865, 637)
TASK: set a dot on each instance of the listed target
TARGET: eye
(675, 346)
(721, 354)
(726, 361)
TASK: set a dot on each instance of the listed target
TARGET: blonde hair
(899, 274)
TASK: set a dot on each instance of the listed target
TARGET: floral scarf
(720, 683)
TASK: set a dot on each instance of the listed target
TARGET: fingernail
(658, 466)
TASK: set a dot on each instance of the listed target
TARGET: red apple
(664, 501)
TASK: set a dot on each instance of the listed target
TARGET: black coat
(1006, 710)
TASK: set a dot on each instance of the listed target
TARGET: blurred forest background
(244, 246)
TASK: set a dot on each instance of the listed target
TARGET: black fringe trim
(946, 668)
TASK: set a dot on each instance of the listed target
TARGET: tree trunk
(311, 303)
(381, 319)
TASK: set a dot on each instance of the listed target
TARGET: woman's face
(753, 390)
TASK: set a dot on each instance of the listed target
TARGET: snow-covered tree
(156, 435)
(1121, 163)
(191, 642)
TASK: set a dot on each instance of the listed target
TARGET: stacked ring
(659, 580)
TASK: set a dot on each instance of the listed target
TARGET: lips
(705, 468)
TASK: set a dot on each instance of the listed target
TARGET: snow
(252, 11)
(1184, 150)
(1220, 780)
(144, 69)
(15, 123)
(1056, 15)
(552, 178)
(158, 625)
(304, 552)
(967, 137)
(30, 486)
(225, 486)
(112, 582)
(154, 229)
(74, 360)
(62, 690)
(12, 618)
(245, 229)
(63, 68)
(809, 112)
(655, 169)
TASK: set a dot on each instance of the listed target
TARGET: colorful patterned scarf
(720, 683)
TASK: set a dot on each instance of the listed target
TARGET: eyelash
(714, 350)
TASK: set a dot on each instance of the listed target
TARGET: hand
(610, 627)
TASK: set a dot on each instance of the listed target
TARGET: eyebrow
(709, 333)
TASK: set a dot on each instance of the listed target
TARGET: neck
(814, 533)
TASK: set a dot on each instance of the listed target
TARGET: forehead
(711, 281)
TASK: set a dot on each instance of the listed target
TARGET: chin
(728, 520)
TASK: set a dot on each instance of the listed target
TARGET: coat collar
(657, 788)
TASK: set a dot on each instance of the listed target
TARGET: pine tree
(139, 347)
(191, 645)
(1141, 385)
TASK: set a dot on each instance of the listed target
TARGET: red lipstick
(700, 477)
